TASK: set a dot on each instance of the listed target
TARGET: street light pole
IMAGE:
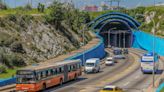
(83, 46)
(154, 29)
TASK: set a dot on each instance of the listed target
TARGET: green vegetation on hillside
(9, 73)
(142, 14)
(26, 39)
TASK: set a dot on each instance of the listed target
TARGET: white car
(109, 61)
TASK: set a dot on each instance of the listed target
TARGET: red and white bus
(40, 77)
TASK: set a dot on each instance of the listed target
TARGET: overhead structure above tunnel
(116, 29)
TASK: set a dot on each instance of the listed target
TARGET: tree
(3, 6)
(56, 14)
(41, 7)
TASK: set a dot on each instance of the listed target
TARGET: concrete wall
(96, 52)
(159, 89)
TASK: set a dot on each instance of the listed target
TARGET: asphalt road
(125, 74)
(137, 81)
(94, 82)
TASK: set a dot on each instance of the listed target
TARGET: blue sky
(80, 3)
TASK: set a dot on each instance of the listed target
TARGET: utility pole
(118, 3)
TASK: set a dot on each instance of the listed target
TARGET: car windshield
(117, 52)
(90, 64)
(109, 59)
(111, 89)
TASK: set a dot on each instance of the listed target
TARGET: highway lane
(93, 82)
(134, 81)
(137, 81)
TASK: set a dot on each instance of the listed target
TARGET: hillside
(25, 39)
(144, 15)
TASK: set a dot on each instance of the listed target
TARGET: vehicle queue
(40, 77)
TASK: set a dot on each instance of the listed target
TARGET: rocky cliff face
(25, 39)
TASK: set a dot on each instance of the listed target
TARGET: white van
(92, 65)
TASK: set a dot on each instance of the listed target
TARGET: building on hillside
(103, 7)
(91, 8)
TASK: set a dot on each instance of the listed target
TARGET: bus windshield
(148, 59)
(25, 80)
(24, 76)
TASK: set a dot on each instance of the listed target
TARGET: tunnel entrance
(117, 35)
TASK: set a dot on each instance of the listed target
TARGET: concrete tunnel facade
(116, 29)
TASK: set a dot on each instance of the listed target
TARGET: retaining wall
(96, 52)
(159, 89)
(144, 41)
(7, 81)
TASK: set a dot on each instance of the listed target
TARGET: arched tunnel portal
(116, 31)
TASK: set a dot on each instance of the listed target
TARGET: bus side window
(38, 76)
(72, 68)
(51, 71)
(55, 71)
(62, 69)
(75, 67)
(46, 73)
(41, 74)
(69, 68)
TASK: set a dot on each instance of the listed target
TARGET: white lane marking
(137, 77)
(126, 83)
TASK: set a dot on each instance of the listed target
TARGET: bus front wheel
(44, 87)
(61, 81)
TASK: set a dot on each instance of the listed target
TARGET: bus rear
(148, 63)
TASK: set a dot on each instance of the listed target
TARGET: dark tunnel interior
(117, 34)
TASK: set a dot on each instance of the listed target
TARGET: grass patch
(28, 12)
(9, 73)
(162, 90)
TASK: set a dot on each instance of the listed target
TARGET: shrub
(3, 69)
(11, 60)
(17, 47)
(12, 17)
(28, 7)
(18, 61)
